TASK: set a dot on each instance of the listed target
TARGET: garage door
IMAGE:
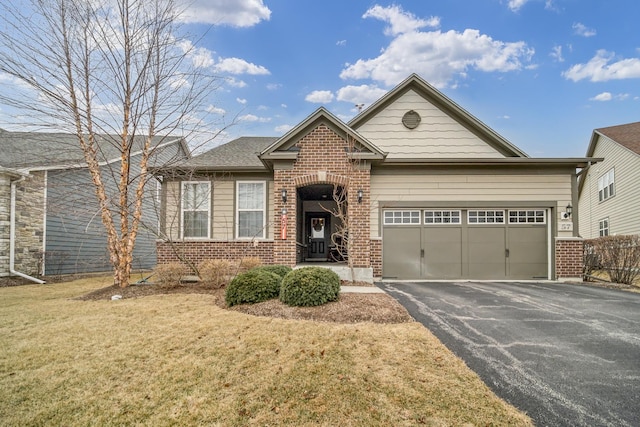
(465, 244)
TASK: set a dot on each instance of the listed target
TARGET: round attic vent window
(411, 119)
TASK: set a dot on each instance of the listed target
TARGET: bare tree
(115, 73)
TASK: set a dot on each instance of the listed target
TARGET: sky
(542, 73)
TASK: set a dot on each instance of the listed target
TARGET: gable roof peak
(444, 103)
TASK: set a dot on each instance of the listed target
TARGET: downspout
(12, 236)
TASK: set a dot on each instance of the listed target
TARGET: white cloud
(600, 68)
(440, 57)
(363, 94)
(233, 82)
(604, 96)
(516, 5)
(216, 110)
(283, 128)
(399, 21)
(240, 66)
(608, 96)
(241, 101)
(199, 56)
(320, 97)
(274, 86)
(253, 118)
(583, 30)
(341, 43)
(556, 53)
(236, 13)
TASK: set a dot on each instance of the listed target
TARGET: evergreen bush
(251, 287)
(309, 286)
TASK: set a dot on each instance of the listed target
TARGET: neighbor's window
(196, 198)
(250, 203)
(401, 217)
(603, 225)
(606, 187)
(441, 217)
(485, 217)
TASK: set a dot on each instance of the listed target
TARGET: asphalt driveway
(567, 355)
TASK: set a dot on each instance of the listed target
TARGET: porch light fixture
(568, 211)
(284, 195)
(360, 195)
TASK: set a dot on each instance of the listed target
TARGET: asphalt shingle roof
(627, 135)
(36, 149)
(239, 153)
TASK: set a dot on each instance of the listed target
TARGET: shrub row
(304, 287)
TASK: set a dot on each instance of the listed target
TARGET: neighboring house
(432, 192)
(49, 219)
(610, 190)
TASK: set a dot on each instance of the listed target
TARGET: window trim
(459, 217)
(504, 217)
(604, 221)
(384, 217)
(264, 209)
(609, 188)
(182, 210)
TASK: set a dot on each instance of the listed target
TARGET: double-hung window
(606, 187)
(603, 226)
(250, 209)
(196, 202)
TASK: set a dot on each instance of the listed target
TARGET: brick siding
(569, 258)
(197, 251)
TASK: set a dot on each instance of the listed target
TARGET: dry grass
(182, 360)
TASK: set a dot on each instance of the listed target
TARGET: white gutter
(12, 235)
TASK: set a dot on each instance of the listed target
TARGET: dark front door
(318, 226)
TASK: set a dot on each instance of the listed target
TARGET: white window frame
(264, 210)
(494, 211)
(606, 185)
(604, 227)
(182, 209)
(401, 216)
(442, 214)
(528, 214)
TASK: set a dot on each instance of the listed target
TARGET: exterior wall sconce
(568, 211)
(284, 195)
(360, 195)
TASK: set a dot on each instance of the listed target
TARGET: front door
(318, 227)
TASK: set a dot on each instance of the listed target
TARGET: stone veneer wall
(569, 258)
(5, 192)
(29, 225)
(197, 251)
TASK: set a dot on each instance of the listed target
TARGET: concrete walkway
(361, 290)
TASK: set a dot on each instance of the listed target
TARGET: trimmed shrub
(309, 286)
(280, 270)
(251, 287)
(215, 273)
(169, 275)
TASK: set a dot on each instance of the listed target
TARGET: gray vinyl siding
(76, 241)
(437, 136)
(460, 190)
(623, 209)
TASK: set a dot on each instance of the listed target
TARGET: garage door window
(485, 217)
(527, 217)
(441, 217)
(401, 217)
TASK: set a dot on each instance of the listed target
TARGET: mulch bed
(349, 308)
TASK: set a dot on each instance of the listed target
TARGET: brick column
(569, 258)
(284, 250)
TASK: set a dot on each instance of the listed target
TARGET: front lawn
(180, 359)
